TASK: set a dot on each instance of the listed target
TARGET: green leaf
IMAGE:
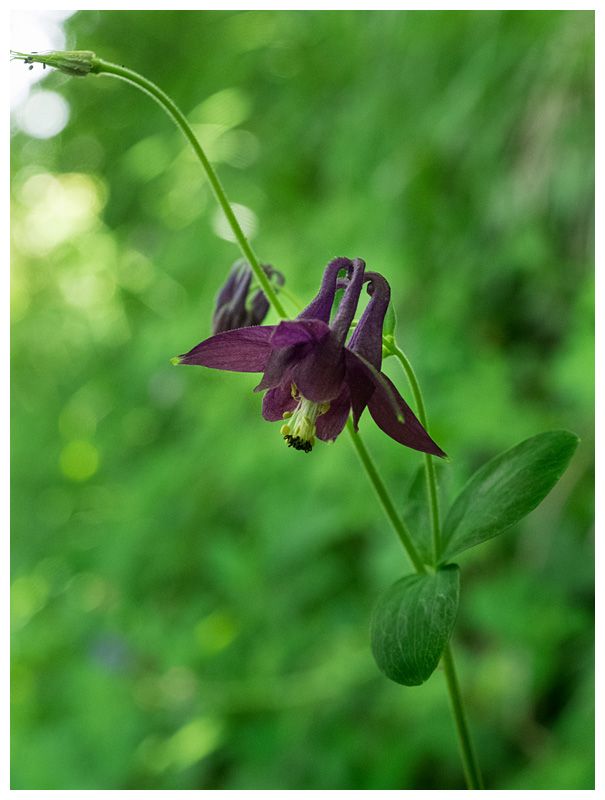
(506, 489)
(412, 623)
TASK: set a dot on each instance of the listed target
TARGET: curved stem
(431, 480)
(469, 759)
(385, 500)
(75, 63)
(104, 67)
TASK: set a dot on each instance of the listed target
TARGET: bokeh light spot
(226, 108)
(86, 291)
(192, 742)
(88, 590)
(44, 114)
(79, 460)
(59, 208)
(147, 158)
(28, 595)
(215, 632)
(45, 28)
(238, 148)
(246, 218)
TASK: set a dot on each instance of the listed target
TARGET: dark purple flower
(233, 309)
(312, 380)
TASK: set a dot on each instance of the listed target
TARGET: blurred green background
(190, 598)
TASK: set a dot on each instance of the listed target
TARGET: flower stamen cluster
(299, 432)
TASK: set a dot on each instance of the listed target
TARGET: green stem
(469, 759)
(384, 498)
(431, 480)
(81, 64)
(103, 67)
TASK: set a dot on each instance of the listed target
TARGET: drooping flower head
(312, 378)
(235, 305)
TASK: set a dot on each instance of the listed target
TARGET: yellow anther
(300, 432)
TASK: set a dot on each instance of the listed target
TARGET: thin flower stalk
(308, 348)
(85, 62)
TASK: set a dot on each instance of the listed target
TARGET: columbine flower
(233, 308)
(312, 380)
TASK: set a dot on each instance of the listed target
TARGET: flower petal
(360, 381)
(319, 376)
(299, 346)
(239, 350)
(321, 306)
(348, 305)
(388, 408)
(366, 339)
(410, 432)
(278, 400)
(330, 424)
(291, 332)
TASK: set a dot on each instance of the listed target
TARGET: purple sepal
(330, 424)
(301, 331)
(241, 350)
(277, 401)
(346, 309)
(321, 306)
(366, 339)
(409, 432)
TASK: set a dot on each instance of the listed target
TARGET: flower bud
(234, 306)
(77, 63)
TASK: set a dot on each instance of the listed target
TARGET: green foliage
(507, 488)
(412, 623)
(191, 599)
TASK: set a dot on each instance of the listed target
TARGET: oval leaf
(506, 489)
(412, 623)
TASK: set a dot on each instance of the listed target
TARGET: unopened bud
(238, 304)
(77, 63)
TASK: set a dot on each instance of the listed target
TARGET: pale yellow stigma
(299, 431)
